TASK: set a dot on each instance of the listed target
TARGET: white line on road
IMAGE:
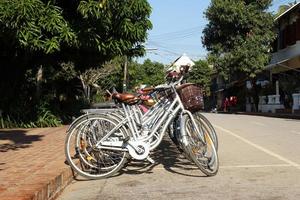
(260, 147)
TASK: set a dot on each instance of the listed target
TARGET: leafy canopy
(201, 74)
(149, 73)
(34, 25)
(103, 27)
(56, 41)
(238, 36)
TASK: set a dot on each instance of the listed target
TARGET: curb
(55, 186)
(37, 170)
(274, 115)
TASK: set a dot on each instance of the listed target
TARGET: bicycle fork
(184, 132)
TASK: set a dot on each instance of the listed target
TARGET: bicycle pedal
(150, 160)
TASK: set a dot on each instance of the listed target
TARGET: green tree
(201, 74)
(283, 8)
(88, 31)
(115, 76)
(37, 37)
(34, 25)
(149, 73)
(238, 36)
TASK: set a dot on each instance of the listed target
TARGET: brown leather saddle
(125, 98)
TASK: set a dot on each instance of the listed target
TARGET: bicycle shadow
(166, 156)
(16, 139)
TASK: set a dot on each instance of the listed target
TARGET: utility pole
(126, 69)
(125, 74)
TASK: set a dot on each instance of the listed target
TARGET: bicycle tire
(203, 153)
(212, 132)
(80, 164)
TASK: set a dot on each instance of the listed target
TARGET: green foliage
(35, 25)
(115, 77)
(113, 27)
(238, 36)
(201, 74)
(44, 118)
(47, 120)
(283, 8)
(64, 39)
(149, 73)
(107, 27)
(66, 71)
(6, 122)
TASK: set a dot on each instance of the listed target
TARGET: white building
(285, 59)
(183, 60)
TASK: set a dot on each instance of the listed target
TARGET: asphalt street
(259, 159)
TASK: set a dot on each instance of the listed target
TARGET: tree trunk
(39, 79)
(85, 88)
(255, 92)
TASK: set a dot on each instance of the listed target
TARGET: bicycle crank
(138, 150)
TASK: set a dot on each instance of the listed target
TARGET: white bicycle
(98, 145)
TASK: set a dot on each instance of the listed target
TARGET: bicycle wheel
(87, 116)
(203, 122)
(200, 147)
(82, 154)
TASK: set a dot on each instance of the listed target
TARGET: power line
(178, 34)
(167, 51)
(179, 37)
(163, 47)
(180, 31)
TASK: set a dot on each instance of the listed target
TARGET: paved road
(259, 159)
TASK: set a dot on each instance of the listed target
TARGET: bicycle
(104, 142)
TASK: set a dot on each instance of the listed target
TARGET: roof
(287, 11)
(181, 61)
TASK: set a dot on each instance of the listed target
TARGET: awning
(285, 65)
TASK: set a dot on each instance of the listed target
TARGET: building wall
(288, 30)
(287, 45)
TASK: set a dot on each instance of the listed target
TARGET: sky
(177, 29)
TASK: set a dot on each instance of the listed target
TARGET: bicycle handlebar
(168, 86)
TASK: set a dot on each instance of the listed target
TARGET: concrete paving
(259, 159)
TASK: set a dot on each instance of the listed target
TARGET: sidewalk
(32, 163)
(264, 114)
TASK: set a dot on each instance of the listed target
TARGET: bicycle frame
(104, 141)
(156, 116)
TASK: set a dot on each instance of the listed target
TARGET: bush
(41, 116)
